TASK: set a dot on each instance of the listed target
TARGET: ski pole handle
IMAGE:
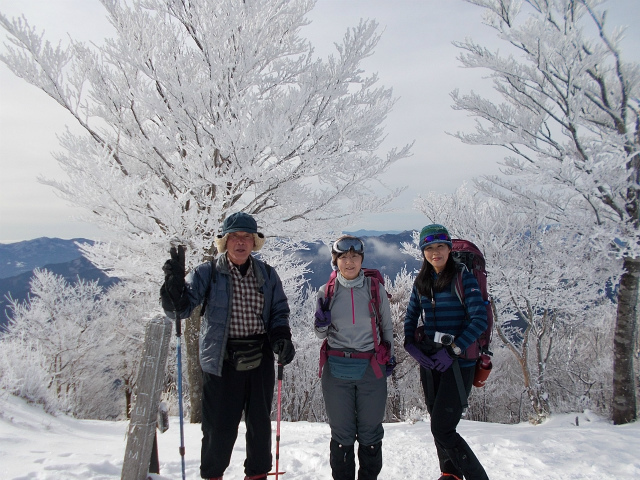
(179, 255)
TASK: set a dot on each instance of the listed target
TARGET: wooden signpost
(142, 428)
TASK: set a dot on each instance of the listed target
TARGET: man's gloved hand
(391, 364)
(442, 360)
(174, 273)
(283, 347)
(424, 360)
(323, 314)
(172, 292)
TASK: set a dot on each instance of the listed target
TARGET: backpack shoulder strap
(457, 287)
(374, 306)
(268, 267)
(212, 281)
(331, 285)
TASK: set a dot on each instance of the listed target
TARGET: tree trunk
(624, 392)
(194, 373)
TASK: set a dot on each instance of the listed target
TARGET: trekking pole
(279, 415)
(179, 358)
(180, 255)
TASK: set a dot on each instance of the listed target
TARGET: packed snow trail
(35, 445)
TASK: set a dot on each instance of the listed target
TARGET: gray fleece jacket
(350, 328)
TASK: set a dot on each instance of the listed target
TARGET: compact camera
(443, 338)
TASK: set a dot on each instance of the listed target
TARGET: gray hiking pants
(355, 407)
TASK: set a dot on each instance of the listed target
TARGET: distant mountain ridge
(20, 257)
(63, 257)
(59, 256)
(381, 252)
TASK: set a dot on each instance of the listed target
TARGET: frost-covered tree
(547, 284)
(126, 313)
(405, 390)
(65, 325)
(570, 119)
(196, 109)
(74, 346)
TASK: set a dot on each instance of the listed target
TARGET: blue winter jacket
(450, 315)
(214, 327)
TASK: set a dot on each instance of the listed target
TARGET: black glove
(172, 292)
(284, 349)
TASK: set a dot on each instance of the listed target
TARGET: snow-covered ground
(35, 445)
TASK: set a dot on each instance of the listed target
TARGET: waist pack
(374, 358)
(348, 368)
(244, 353)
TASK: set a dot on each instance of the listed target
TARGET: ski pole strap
(460, 384)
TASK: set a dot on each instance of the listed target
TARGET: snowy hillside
(36, 445)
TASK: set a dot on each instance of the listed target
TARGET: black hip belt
(245, 353)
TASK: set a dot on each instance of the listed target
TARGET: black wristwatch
(456, 349)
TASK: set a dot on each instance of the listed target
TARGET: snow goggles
(435, 238)
(343, 245)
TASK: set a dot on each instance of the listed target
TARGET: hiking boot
(449, 476)
(214, 478)
(261, 476)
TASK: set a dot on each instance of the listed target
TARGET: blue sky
(415, 57)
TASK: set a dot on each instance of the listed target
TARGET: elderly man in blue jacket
(245, 321)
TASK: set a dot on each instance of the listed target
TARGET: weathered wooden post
(142, 427)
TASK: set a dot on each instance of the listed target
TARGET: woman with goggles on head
(446, 378)
(355, 359)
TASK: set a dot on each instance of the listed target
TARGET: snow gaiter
(342, 460)
(446, 464)
(370, 458)
(464, 458)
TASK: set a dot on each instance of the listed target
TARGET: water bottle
(483, 369)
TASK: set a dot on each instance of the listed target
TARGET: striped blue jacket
(449, 314)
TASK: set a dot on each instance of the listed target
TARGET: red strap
(325, 353)
(331, 284)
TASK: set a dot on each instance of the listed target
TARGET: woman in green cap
(445, 374)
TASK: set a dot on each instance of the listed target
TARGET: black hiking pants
(445, 408)
(224, 400)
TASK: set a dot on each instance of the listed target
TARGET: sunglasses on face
(345, 244)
